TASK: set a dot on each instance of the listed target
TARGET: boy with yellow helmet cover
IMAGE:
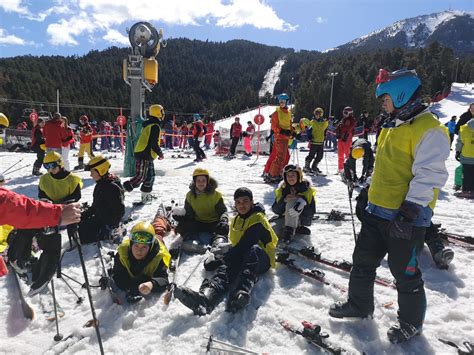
(146, 151)
(360, 149)
(141, 263)
(317, 131)
(409, 169)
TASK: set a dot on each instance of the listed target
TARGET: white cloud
(17, 7)
(13, 6)
(115, 36)
(106, 15)
(321, 20)
(6, 39)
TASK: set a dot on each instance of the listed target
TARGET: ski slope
(149, 327)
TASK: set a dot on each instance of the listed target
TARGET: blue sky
(74, 27)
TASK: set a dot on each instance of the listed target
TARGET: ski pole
(169, 293)
(326, 160)
(349, 191)
(21, 167)
(211, 340)
(58, 335)
(11, 166)
(86, 279)
(194, 270)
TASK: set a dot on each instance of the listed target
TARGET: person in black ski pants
(361, 148)
(252, 252)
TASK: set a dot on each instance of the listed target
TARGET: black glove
(457, 156)
(212, 262)
(133, 297)
(286, 132)
(402, 226)
(222, 228)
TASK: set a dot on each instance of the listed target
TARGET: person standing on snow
(248, 135)
(317, 129)
(204, 211)
(107, 207)
(252, 253)
(235, 135)
(37, 145)
(361, 148)
(281, 127)
(146, 151)
(67, 143)
(209, 133)
(141, 263)
(451, 124)
(465, 155)
(409, 171)
(464, 118)
(344, 132)
(54, 134)
(85, 131)
(295, 200)
(198, 132)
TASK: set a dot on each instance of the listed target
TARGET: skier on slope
(85, 131)
(37, 145)
(295, 199)
(58, 186)
(235, 135)
(465, 155)
(204, 211)
(198, 132)
(361, 148)
(141, 263)
(248, 136)
(209, 133)
(146, 151)
(54, 134)
(252, 253)
(409, 170)
(281, 127)
(316, 132)
(344, 132)
(107, 209)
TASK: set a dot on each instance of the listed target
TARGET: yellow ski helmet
(319, 110)
(157, 111)
(200, 172)
(52, 160)
(296, 169)
(99, 163)
(357, 152)
(143, 233)
(4, 122)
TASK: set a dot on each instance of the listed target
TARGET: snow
(149, 327)
(271, 78)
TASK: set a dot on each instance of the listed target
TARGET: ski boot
(146, 198)
(288, 234)
(443, 258)
(36, 171)
(307, 169)
(80, 164)
(202, 302)
(47, 268)
(400, 333)
(316, 170)
(128, 186)
(238, 301)
(303, 230)
(347, 310)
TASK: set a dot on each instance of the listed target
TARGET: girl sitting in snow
(204, 216)
(295, 199)
(141, 263)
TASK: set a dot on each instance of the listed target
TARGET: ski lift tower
(140, 72)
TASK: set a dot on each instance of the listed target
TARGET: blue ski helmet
(196, 117)
(401, 85)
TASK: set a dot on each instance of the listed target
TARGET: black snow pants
(314, 149)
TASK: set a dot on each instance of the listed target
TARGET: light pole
(332, 75)
(457, 66)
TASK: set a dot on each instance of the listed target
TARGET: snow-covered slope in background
(456, 103)
(149, 327)
(271, 78)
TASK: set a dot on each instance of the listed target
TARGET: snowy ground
(149, 327)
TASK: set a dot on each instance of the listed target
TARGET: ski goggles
(51, 165)
(290, 167)
(142, 238)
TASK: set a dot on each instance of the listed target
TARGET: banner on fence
(225, 141)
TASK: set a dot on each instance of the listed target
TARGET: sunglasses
(142, 237)
(52, 165)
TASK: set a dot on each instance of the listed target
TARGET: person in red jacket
(85, 130)
(37, 146)
(248, 135)
(209, 133)
(23, 212)
(235, 134)
(54, 134)
(198, 135)
(344, 132)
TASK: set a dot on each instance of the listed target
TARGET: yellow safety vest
(144, 138)
(57, 189)
(284, 118)
(317, 132)
(239, 225)
(466, 135)
(395, 156)
(4, 232)
(204, 205)
(308, 195)
(151, 267)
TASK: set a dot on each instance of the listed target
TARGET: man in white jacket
(409, 170)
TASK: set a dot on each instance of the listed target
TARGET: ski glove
(212, 261)
(221, 248)
(178, 213)
(297, 208)
(402, 226)
(222, 228)
(457, 156)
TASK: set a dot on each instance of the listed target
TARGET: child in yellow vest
(317, 129)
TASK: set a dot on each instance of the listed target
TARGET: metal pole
(332, 87)
(57, 100)
(457, 66)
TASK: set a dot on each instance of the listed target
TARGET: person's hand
(70, 214)
(222, 228)
(221, 248)
(145, 288)
(402, 226)
(297, 208)
(161, 156)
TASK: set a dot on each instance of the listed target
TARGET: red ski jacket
(23, 212)
(54, 134)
